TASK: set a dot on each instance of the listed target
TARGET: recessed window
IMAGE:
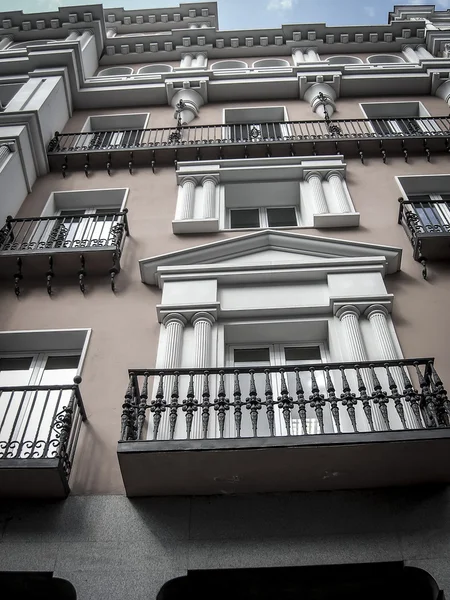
(399, 118)
(301, 353)
(256, 124)
(244, 218)
(279, 216)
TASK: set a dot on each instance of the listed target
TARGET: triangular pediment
(266, 248)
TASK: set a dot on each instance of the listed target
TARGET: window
(263, 217)
(113, 131)
(48, 359)
(277, 355)
(256, 124)
(399, 118)
(433, 210)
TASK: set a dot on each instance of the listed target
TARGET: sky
(254, 14)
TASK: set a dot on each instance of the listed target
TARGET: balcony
(427, 225)
(267, 429)
(39, 429)
(73, 245)
(159, 146)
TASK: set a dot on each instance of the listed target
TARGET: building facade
(224, 288)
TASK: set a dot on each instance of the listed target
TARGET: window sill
(350, 219)
(195, 226)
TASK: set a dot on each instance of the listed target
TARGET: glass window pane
(281, 217)
(21, 363)
(62, 362)
(244, 218)
(251, 355)
(302, 353)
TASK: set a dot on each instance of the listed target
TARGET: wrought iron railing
(41, 421)
(424, 219)
(70, 232)
(237, 134)
(289, 400)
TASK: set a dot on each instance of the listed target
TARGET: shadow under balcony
(267, 429)
(39, 430)
(73, 246)
(168, 145)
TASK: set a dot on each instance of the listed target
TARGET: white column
(6, 41)
(356, 353)
(5, 151)
(186, 61)
(185, 210)
(298, 55)
(377, 316)
(320, 202)
(337, 185)
(312, 96)
(174, 324)
(312, 56)
(423, 53)
(85, 36)
(410, 54)
(443, 91)
(110, 33)
(202, 322)
(200, 61)
(209, 185)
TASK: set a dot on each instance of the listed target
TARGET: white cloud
(280, 4)
(370, 10)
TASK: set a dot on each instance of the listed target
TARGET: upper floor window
(399, 118)
(113, 131)
(255, 124)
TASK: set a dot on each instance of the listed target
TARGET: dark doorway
(389, 581)
(35, 586)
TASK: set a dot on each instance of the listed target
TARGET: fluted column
(356, 352)
(6, 41)
(298, 56)
(320, 202)
(209, 185)
(5, 151)
(311, 56)
(186, 202)
(377, 316)
(337, 185)
(200, 61)
(202, 323)
(85, 36)
(410, 54)
(186, 61)
(174, 324)
(443, 91)
(423, 53)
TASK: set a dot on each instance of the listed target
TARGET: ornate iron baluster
(348, 399)
(86, 165)
(285, 402)
(405, 151)
(109, 164)
(383, 152)
(316, 400)
(396, 397)
(301, 401)
(237, 404)
(360, 152)
(332, 399)
(253, 404)
(441, 392)
(50, 274)
(380, 397)
(114, 269)
(427, 150)
(65, 428)
(130, 164)
(82, 275)
(190, 405)
(411, 396)
(173, 412)
(221, 404)
(18, 277)
(158, 406)
(127, 430)
(65, 166)
(205, 404)
(364, 398)
(269, 404)
(142, 406)
(427, 396)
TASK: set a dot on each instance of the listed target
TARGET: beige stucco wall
(124, 325)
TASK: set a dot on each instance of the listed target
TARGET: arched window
(344, 60)
(270, 62)
(383, 59)
(112, 71)
(155, 69)
(229, 64)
